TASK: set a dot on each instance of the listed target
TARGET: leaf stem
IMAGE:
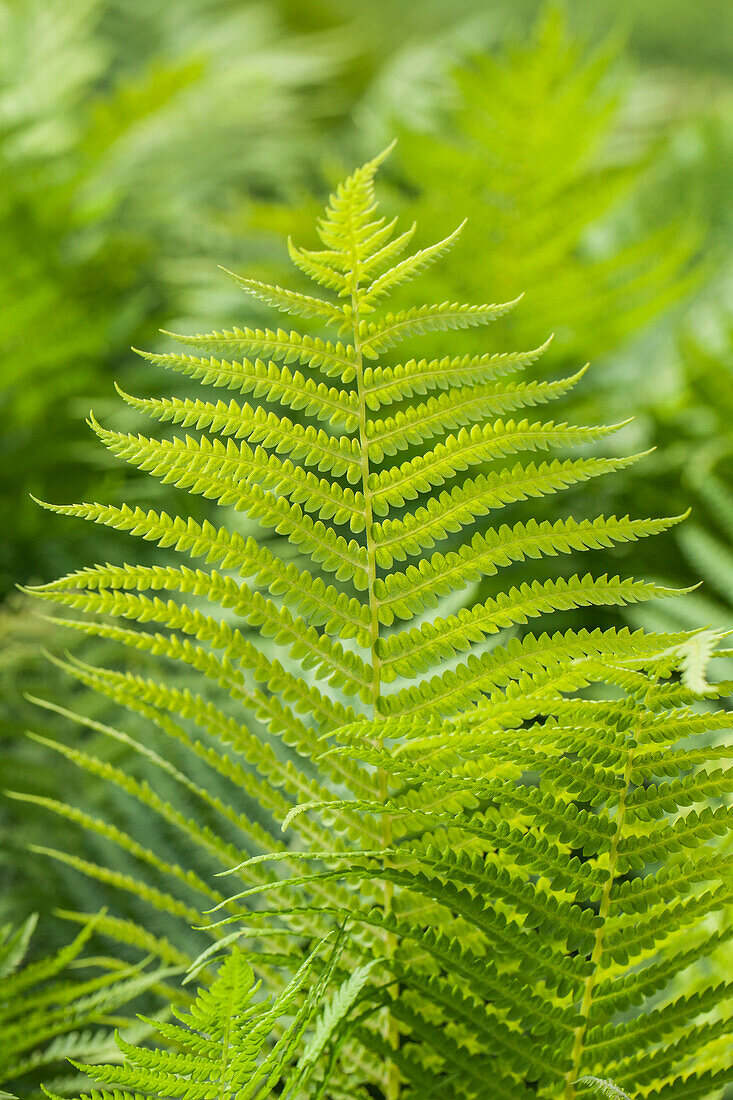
(573, 1073)
(595, 959)
(392, 1082)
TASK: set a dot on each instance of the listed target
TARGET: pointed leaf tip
(381, 157)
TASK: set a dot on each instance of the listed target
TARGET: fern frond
(322, 605)
(376, 337)
(343, 668)
(409, 652)
(457, 453)
(456, 408)
(386, 385)
(332, 552)
(402, 594)
(212, 468)
(475, 825)
(559, 655)
(446, 514)
(339, 455)
(333, 360)
(220, 1042)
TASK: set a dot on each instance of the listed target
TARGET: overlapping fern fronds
(49, 1014)
(220, 1043)
(390, 457)
(561, 870)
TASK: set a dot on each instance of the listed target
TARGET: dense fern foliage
(389, 458)
(561, 873)
(49, 1014)
(221, 1041)
(153, 252)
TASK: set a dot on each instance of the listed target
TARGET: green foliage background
(141, 144)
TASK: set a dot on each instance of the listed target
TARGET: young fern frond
(358, 629)
(219, 1045)
(604, 1088)
(285, 493)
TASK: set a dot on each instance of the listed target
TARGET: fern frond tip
(126, 397)
(44, 503)
(380, 158)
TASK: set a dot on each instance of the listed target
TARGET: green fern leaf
(480, 817)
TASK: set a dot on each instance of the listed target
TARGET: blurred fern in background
(695, 459)
(123, 129)
(528, 151)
